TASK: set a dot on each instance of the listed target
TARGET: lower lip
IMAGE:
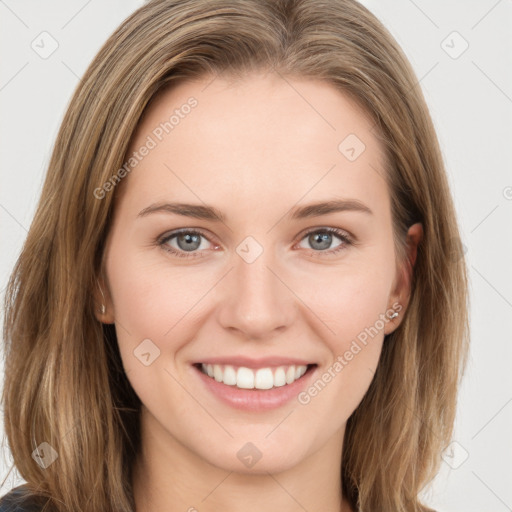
(256, 399)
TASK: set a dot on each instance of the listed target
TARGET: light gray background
(470, 97)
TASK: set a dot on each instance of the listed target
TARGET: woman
(239, 287)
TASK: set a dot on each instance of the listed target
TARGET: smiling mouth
(242, 377)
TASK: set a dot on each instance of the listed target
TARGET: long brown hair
(64, 381)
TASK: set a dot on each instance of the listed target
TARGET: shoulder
(21, 499)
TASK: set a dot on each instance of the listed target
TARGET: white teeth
(264, 379)
(229, 376)
(279, 377)
(246, 378)
(290, 374)
(300, 371)
(217, 373)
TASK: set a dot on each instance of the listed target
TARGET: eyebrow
(323, 208)
(210, 213)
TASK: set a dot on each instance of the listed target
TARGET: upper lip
(248, 362)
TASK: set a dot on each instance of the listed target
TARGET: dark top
(20, 499)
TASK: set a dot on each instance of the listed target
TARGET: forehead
(254, 140)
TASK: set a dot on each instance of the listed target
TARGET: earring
(394, 315)
(103, 309)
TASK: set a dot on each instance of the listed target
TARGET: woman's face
(260, 283)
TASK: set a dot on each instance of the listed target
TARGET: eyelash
(162, 241)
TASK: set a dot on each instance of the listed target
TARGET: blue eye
(321, 239)
(189, 242)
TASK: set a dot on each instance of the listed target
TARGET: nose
(257, 302)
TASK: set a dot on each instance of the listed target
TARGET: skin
(254, 149)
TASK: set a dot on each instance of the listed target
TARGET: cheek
(354, 314)
(152, 307)
(349, 300)
(352, 305)
(149, 296)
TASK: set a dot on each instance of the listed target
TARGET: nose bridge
(257, 302)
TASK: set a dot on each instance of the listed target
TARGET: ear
(399, 298)
(103, 307)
